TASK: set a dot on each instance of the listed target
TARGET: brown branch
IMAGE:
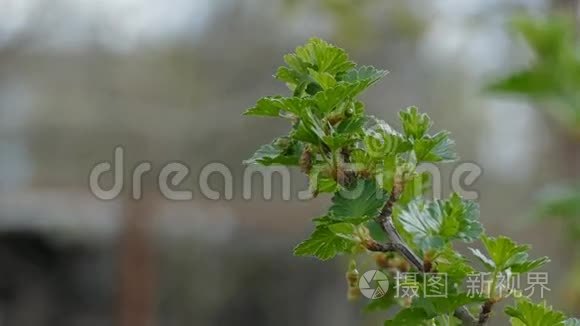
(485, 312)
(397, 244)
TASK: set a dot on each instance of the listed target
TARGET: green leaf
(552, 41)
(415, 124)
(548, 37)
(524, 266)
(453, 264)
(281, 151)
(337, 141)
(273, 106)
(409, 317)
(362, 160)
(319, 181)
(367, 74)
(314, 64)
(526, 313)
(324, 57)
(295, 79)
(309, 129)
(324, 221)
(363, 201)
(444, 305)
(351, 125)
(426, 308)
(344, 230)
(505, 253)
(554, 75)
(341, 94)
(323, 244)
(487, 262)
(381, 140)
(533, 83)
(324, 79)
(362, 78)
(433, 224)
(436, 148)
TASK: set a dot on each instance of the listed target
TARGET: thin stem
(397, 244)
(493, 285)
(488, 305)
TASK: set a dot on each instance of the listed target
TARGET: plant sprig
(378, 205)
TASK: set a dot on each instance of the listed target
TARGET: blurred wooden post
(136, 261)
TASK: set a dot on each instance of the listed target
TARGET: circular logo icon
(381, 140)
(373, 284)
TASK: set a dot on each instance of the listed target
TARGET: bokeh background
(168, 81)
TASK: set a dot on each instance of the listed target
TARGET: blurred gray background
(168, 81)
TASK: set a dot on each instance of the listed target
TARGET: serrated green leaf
(505, 254)
(323, 244)
(312, 67)
(365, 201)
(415, 124)
(309, 129)
(367, 74)
(344, 230)
(351, 125)
(273, 106)
(487, 262)
(524, 266)
(324, 57)
(281, 151)
(295, 80)
(330, 99)
(324, 79)
(436, 148)
(433, 224)
(526, 313)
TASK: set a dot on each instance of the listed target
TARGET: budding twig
(397, 244)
